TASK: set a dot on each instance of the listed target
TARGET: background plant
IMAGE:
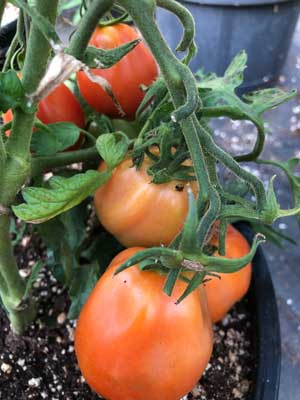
(175, 114)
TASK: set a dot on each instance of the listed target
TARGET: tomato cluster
(133, 341)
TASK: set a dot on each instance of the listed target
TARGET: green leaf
(36, 269)
(83, 283)
(63, 194)
(11, 91)
(103, 248)
(54, 138)
(266, 99)
(272, 234)
(271, 212)
(220, 99)
(17, 232)
(111, 151)
(234, 74)
(42, 23)
(64, 237)
(99, 58)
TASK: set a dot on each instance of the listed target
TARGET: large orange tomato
(138, 212)
(137, 68)
(223, 293)
(59, 106)
(134, 343)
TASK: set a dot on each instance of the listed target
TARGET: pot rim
(239, 3)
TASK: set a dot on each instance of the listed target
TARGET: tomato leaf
(63, 194)
(263, 100)
(99, 58)
(42, 23)
(12, 92)
(36, 269)
(219, 98)
(110, 150)
(272, 234)
(83, 283)
(103, 248)
(64, 237)
(54, 138)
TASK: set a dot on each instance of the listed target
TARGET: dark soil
(42, 364)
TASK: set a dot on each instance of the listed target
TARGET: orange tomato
(137, 68)
(223, 293)
(138, 212)
(134, 343)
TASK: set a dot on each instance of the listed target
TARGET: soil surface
(42, 364)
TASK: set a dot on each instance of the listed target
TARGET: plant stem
(186, 19)
(41, 164)
(172, 71)
(16, 170)
(89, 22)
(12, 287)
(37, 54)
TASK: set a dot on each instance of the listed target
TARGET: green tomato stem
(186, 19)
(12, 288)
(89, 22)
(16, 167)
(40, 164)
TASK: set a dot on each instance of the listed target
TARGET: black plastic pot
(264, 28)
(266, 324)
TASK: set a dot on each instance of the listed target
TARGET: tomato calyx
(185, 255)
(167, 150)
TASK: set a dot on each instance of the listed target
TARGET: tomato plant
(133, 342)
(126, 77)
(223, 292)
(138, 212)
(148, 204)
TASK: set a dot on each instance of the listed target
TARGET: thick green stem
(41, 164)
(90, 20)
(172, 70)
(16, 170)
(37, 54)
(12, 288)
(2, 155)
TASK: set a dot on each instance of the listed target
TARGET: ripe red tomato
(133, 342)
(223, 293)
(140, 213)
(137, 68)
(59, 106)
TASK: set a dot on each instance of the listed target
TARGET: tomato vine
(174, 116)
